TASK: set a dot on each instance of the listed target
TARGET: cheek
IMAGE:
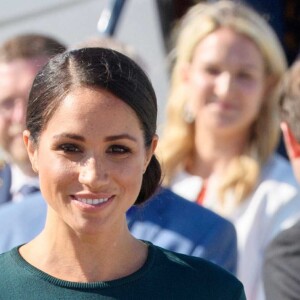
(251, 95)
(129, 175)
(254, 99)
(130, 171)
(3, 134)
(4, 124)
(252, 90)
(199, 83)
(55, 177)
(199, 88)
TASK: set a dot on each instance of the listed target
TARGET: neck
(213, 156)
(67, 255)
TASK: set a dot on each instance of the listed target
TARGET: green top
(165, 275)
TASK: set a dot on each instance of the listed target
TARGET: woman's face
(226, 82)
(90, 159)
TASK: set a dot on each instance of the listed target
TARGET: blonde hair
(177, 143)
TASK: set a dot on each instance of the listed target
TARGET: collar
(18, 179)
(186, 185)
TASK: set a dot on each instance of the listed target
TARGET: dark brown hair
(96, 68)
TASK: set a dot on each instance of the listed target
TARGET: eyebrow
(69, 136)
(120, 137)
(107, 139)
(248, 65)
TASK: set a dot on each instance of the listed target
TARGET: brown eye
(212, 70)
(244, 75)
(118, 149)
(69, 148)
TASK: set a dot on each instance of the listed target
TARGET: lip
(227, 105)
(224, 105)
(92, 201)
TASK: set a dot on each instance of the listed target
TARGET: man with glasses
(21, 57)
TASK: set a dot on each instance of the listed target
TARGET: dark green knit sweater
(165, 275)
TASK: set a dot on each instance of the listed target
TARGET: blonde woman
(222, 128)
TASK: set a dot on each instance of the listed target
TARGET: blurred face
(16, 78)
(91, 158)
(226, 82)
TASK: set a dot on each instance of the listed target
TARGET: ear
(150, 151)
(31, 148)
(292, 146)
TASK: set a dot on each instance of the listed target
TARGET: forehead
(17, 72)
(94, 110)
(20, 65)
(86, 100)
(226, 44)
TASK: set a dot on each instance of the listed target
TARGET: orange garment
(201, 194)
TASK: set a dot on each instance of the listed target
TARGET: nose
(223, 85)
(93, 174)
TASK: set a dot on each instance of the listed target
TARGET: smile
(92, 201)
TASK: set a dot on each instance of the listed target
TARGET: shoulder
(7, 263)
(287, 240)
(276, 198)
(277, 185)
(5, 169)
(168, 202)
(166, 207)
(192, 265)
(21, 221)
(13, 275)
(174, 223)
(282, 265)
(5, 182)
(198, 273)
(279, 169)
(32, 205)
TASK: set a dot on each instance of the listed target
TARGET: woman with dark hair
(91, 136)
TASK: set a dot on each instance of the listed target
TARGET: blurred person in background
(21, 57)
(222, 128)
(282, 259)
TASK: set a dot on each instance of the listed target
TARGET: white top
(273, 206)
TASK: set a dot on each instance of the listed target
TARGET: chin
(91, 226)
